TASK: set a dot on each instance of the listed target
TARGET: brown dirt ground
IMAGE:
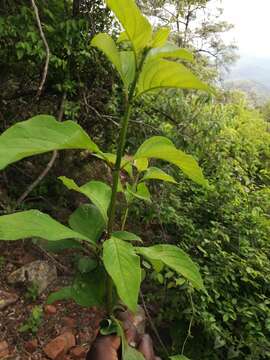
(13, 255)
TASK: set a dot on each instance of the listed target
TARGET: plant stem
(117, 168)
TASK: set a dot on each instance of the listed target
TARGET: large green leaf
(162, 148)
(87, 220)
(33, 223)
(98, 192)
(41, 134)
(160, 73)
(87, 290)
(176, 259)
(59, 245)
(157, 174)
(137, 27)
(170, 50)
(123, 265)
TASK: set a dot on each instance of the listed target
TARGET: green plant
(143, 67)
(33, 322)
(31, 292)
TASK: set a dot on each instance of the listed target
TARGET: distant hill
(251, 75)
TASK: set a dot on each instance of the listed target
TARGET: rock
(78, 352)
(58, 347)
(50, 310)
(69, 322)
(31, 345)
(4, 351)
(7, 299)
(41, 273)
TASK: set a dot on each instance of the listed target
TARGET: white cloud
(252, 26)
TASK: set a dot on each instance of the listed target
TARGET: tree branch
(47, 49)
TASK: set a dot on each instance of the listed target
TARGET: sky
(252, 25)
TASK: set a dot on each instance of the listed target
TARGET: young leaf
(123, 61)
(159, 73)
(87, 220)
(125, 235)
(98, 192)
(111, 159)
(128, 67)
(170, 50)
(106, 44)
(141, 193)
(157, 174)
(123, 265)
(162, 148)
(137, 27)
(41, 134)
(33, 223)
(160, 37)
(141, 164)
(176, 259)
(178, 357)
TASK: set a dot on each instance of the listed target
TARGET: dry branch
(47, 49)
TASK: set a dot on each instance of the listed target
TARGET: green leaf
(87, 290)
(125, 235)
(128, 67)
(141, 193)
(159, 73)
(86, 264)
(160, 37)
(162, 148)
(33, 223)
(60, 245)
(170, 50)
(106, 44)
(41, 134)
(141, 164)
(123, 36)
(64, 293)
(98, 192)
(157, 174)
(176, 259)
(87, 220)
(123, 61)
(137, 27)
(179, 357)
(111, 159)
(123, 265)
(132, 354)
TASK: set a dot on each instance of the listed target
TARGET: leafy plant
(32, 292)
(145, 66)
(34, 321)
